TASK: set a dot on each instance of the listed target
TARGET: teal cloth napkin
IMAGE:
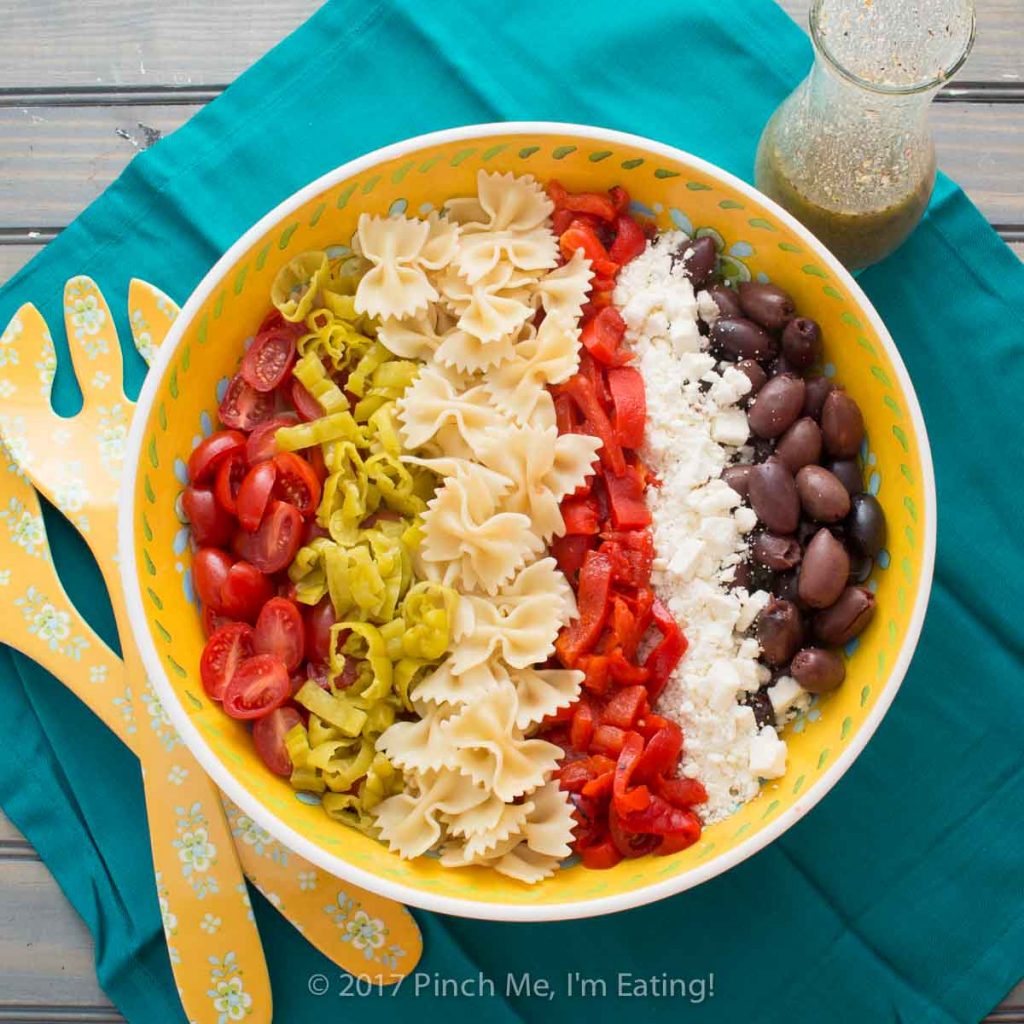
(900, 898)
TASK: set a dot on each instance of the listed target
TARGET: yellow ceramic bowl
(757, 239)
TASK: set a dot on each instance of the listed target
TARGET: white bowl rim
(487, 910)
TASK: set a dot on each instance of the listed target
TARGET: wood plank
(55, 160)
(997, 55)
(9, 835)
(145, 42)
(12, 259)
(45, 950)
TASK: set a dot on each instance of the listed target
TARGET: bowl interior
(179, 407)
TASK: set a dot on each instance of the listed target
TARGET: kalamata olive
(766, 304)
(764, 448)
(808, 528)
(777, 406)
(699, 258)
(847, 472)
(761, 703)
(780, 631)
(824, 572)
(801, 342)
(753, 576)
(740, 338)
(822, 496)
(771, 491)
(842, 425)
(787, 586)
(865, 526)
(860, 568)
(800, 445)
(727, 301)
(755, 374)
(816, 391)
(847, 618)
(817, 670)
(777, 553)
(781, 365)
(737, 477)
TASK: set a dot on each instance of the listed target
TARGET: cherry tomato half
(305, 404)
(254, 494)
(210, 568)
(272, 547)
(260, 445)
(268, 735)
(244, 592)
(212, 621)
(209, 453)
(224, 652)
(243, 407)
(319, 620)
(211, 524)
(258, 685)
(230, 475)
(279, 631)
(297, 482)
(269, 358)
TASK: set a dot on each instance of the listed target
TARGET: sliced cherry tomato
(305, 404)
(600, 856)
(630, 241)
(229, 478)
(315, 455)
(268, 735)
(271, 320)
(210, 568)
(260, 445)
(272, 547)
(269, 359)
(244, 592)
(207, 456)
(211, 524)
(254, 494)
(279, 631)
(318, 630)
(243, 407)
(212, 621)
(259, 685)
(297, 482)
(226, 649)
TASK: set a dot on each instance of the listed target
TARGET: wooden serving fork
(76, 463)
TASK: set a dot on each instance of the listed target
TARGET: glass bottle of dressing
(849, 152)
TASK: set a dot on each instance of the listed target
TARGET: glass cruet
(849, 152)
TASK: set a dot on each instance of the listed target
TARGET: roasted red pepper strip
(608, 740)
(600, 788)
(661, 753)
(685, 835)
(592, 601)
(601, 855)
(581, 732)
(602, 335)
(663, 659)
(630, 241)
(620, 197)
(625, 707)
(593, 203)
(626, 502)
(625, 798)
(658, 818)
(570, 552)
(581, 516)
(597, 422)
(565, 414)
(580, 235)
(681, 792)
(629, 400)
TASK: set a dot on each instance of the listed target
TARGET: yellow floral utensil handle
(220, 971)
(361, 932)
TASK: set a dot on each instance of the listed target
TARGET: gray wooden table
(84, 86)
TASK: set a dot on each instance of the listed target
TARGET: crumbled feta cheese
(694, 430)
(707, 308)
(788, 699)
(768, 754)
